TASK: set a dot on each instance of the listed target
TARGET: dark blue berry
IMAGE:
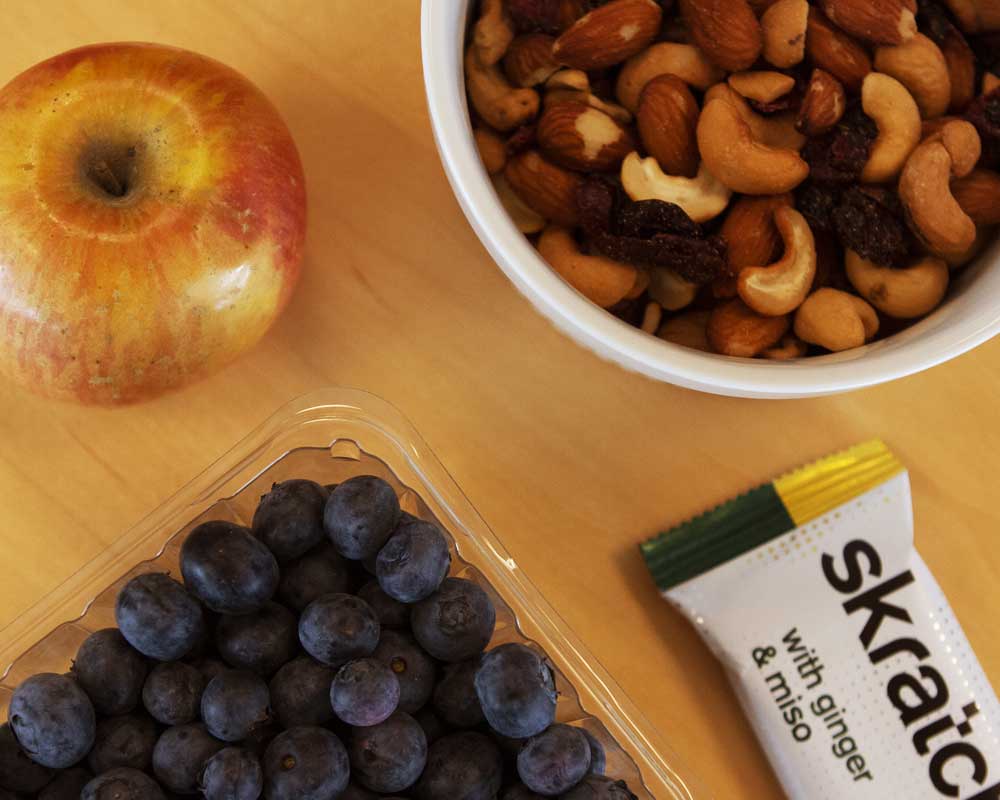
(554, 761)
(53, 720)
(433, 727)
(355, 792)
(125, 741)
(391, 613)
(289, 519)
(337, 628)
(364, 692)
(413, 562)
(598, 758)
(122, 783)
(232, 774)
(260, 641)
(414, 669)
(519, 792)
(226, 568)
(305, 763)
(455, 698)
(320, 571)
(390, 756)
(110, 671)
(180, 755)
(456, 622)
(158, 617)
(18, 773)
(517, 690)
(300, 693)
(67, 785)
(463, 765)
(234, 703)
(172, 693)
(597, 787)
(360, 515)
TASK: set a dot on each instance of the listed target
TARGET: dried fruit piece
(597, 203)
(840, 155)
(647, 218)
(816, 202)
(695, 260)
(535, 15)
(870, 222)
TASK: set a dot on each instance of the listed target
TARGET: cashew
(523, 216)
(894, 110)
(651, 317)
(984, 237)
(732, 153)
(685, 61)
(903, 293)
(781, 287)
(573, 86)
(776, 130)
(493, 32)
(501, 105)
(599, 279)
(492, 149)
(702, 197)
(934, 214)
(835, 320)
(642, 281)
(784, 26)
(687, 330)
(788, 349)
(670, 290)
(763, 86)
(575, 80)
(920, 66)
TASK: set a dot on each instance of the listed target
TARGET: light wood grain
(571, 460)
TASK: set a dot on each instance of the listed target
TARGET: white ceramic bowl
(970, 316)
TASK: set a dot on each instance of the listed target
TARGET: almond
(823, 105)
(687, 329)
(751, 236)
(831, 49)
(576, 136)
(735, 330)
(726, 30)
(961, 69)
(544, 187)
(879, 21)
(609, 34)
(667, 119)
(569, 12)
(529, 60)
(978, 193)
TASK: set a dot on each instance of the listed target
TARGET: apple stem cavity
(110, 170)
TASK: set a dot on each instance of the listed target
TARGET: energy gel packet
(843, 651)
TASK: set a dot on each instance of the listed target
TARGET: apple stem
(105, 177)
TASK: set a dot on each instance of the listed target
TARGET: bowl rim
(927, 344)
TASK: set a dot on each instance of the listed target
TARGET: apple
(152, 221)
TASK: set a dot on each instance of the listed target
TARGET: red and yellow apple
(152, 221)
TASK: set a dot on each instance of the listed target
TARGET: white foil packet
(842, 649)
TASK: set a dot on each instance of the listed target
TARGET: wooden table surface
(570, 459)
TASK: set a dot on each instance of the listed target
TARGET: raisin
(647, 218)
(816, 203)
(840, 155)
(986, 48)
(522, 139)
(695, 260)
(870, 222)
(984, 113)
(934, 22)
(535, 15)
(597, 203)
(629, 311)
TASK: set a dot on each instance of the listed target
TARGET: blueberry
(180, 755)
(172, 693)
(158, 617)
(414, 669)
(413, 562)
(519, 792)
(122, 783)
(124, 741)
(210, 668)
(234, 703)
(554, 761)
(18, 773)
(110, 671)
(391, 613)
(53, 720)
(517, 690)
(320, 571)
(463, 765)
(456, 622)
(355, 792)
(67, 785)
(338, 627)
(305, 763)
(364, 692)
(226, 568)
(289, 519)
(390, 756)
(260, 641)
(433, 727)
(232, 774)
(455, 698)
(260, 737)
(597, 787)
(598, 759)
(300, 693)
(360, 516)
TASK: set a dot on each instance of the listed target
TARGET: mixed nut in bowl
(770, 198)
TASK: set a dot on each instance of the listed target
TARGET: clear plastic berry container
(329, 436)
